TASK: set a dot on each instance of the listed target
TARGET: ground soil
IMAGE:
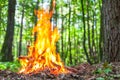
(83, 71)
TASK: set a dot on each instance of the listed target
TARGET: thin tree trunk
(0, 15)
(89, 42)
(69, 39)
(101, 34)
(37, 3)
(84, 34)
(21, 30)
(94, 30)
(62, 32)
(74, 39)
(6, 50)
(75, 60)
(66, 39)
(93, 38)
(0, 21)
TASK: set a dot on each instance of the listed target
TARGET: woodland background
(89, 29)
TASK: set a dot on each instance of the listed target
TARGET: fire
(42, 53)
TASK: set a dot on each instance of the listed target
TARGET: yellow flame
(42, 53)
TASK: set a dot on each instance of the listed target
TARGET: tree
(21, 30)
(111, 25)
(84, 34)
(6, 50)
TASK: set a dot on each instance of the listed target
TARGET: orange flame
(42, 53)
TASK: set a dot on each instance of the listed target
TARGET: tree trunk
(69, 29)
(0, 14)
(21, 30)
(88, 25)
(101, 34)
(62, 28)
(111, 24)
(0, 19)
(84, 34)
(6, 50)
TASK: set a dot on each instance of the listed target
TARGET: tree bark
(21, 30)
(69, 29)
(88, 16)
(101, 34)
(6, 50)
(84, 34)
(111, 24)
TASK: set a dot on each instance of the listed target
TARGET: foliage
(13, 66)
(103, 72)
(100, 78)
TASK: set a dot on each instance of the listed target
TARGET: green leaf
(2, 67)
(100, 78)
(99, 71)
(107, 70)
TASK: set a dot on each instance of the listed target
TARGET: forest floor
(84, 71)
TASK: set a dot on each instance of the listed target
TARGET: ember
(42, 53)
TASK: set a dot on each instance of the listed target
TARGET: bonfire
(42, 53)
